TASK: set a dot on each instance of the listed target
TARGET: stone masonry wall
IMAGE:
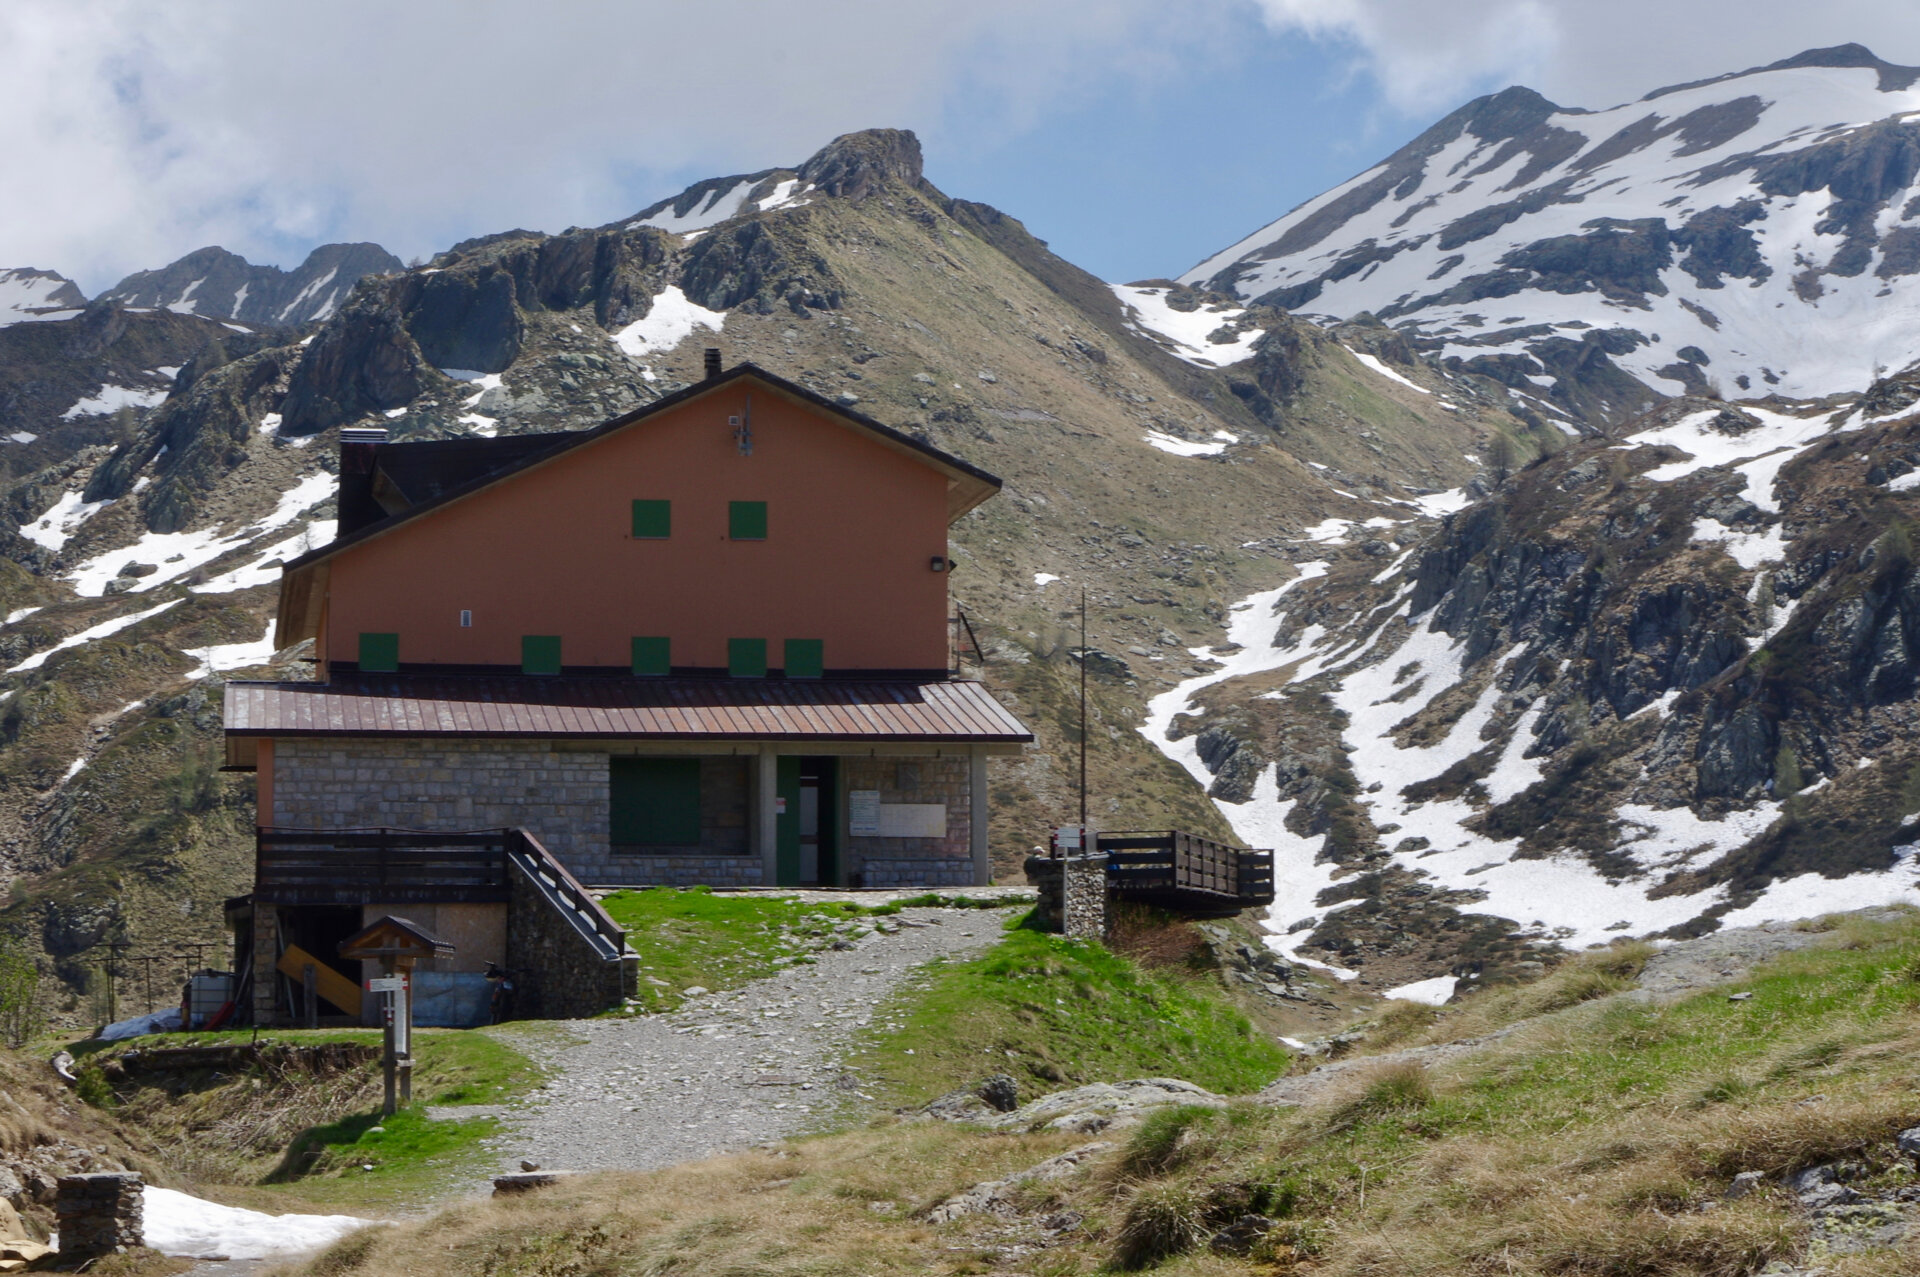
(914, 862)
(559, 974)
(99, 1214)
(723, 858)
(1083, 892)
(450, 785)
(689, 870)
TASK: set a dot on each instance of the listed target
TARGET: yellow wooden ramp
(331, 985)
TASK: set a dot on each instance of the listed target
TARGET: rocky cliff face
(1597, 261)
(1645, 687)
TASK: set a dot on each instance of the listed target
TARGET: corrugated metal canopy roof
(660, 709)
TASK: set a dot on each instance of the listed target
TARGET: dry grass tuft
(1161, 1220)
(1402, 1087)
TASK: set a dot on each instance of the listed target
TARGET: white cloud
(1428, 57)
(143, 131)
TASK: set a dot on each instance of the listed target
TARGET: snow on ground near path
(113, 398)
(175, 554)
(101, 630)
(1433, 992)
(670, 322)
(62, 520)
(1044, 578)
(1189, 448)
(1810, 895)
(1381, 368)
(182, 1225)
(1188, 329)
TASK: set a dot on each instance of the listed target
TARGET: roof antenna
(743, 431)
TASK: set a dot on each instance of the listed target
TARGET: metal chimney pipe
(713, 362)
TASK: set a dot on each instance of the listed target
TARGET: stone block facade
(560, 795)
(913, 862)
(725, 855)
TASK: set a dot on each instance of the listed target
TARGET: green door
(786, 841)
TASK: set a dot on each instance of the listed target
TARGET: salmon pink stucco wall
(852, 525)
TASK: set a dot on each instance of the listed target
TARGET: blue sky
(1137, 136)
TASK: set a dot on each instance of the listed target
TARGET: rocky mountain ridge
(1145, 460)
(1757, 233)
(213, 281)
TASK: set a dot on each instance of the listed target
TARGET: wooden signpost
(398, 944)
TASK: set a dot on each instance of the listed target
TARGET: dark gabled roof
(932, 711)
(968, 485)
(422, 471)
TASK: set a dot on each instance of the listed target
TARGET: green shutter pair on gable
(746, 520)
(747, 658)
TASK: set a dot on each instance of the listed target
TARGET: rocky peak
(214, 282)
(25, 291)
(855, 164)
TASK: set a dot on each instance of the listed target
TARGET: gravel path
(727, 1070)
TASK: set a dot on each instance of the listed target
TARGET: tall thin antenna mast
(1083, 719)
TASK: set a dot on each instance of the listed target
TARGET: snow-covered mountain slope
(1755, 233)
(224, 285)
(26, 293)
(1647, 687)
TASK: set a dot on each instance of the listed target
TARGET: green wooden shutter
(379, 653)
(652, 520)
(747, 658)
(747, 520)
(654, 801)
(652, 656)
(806, 658)
(540, 654)
(786, 825)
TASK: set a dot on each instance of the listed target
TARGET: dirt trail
(727, 1070)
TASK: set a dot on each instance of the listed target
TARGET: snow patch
(1187, 447)
(62, 520)
(1187, 333)
(182, 1225)
(1039, 578)
(101, 630)
(671, 321)
(1433, 993)
(1380, 367)
(111, 398)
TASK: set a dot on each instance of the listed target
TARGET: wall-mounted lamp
(938, 563)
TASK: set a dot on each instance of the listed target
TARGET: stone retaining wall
(100, 1214)
(559, 975)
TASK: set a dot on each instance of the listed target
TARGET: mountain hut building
(704, 643)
